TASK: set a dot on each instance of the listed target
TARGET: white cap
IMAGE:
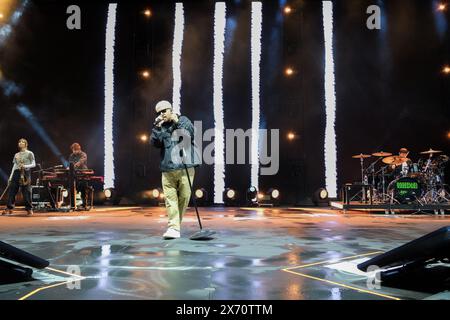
(162, 105)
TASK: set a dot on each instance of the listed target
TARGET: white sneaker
(171, 234)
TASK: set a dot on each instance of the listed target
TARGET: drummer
(402, 165)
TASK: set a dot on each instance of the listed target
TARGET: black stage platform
(442, 208)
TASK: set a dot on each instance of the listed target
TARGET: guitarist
(20, 178)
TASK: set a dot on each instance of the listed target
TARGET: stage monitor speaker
(421, 265)
(434, 245)
(14, 254)
(11, 273)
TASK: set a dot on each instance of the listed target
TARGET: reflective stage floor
(118, 253)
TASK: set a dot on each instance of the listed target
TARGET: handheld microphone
(157, 120)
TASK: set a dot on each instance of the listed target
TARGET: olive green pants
(177, 194)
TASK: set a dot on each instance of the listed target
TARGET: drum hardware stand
(382, 197)
(428, 163)
(434, 195)
(363, 181)
(364, 197)
(364, 185)
(371, 169)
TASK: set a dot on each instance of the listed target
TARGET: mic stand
(202, 234)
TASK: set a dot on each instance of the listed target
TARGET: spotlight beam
(6, 30)
(31, 119)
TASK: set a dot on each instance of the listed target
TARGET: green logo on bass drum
(407, 185)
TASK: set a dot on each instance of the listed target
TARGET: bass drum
(406, 190)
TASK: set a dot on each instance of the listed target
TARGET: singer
(175, 182)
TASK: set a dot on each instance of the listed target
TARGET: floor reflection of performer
(79, 160)
(20, 178)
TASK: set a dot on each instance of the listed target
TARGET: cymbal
(361, 156)
(431, 151)
(382, 154)
(395, 160)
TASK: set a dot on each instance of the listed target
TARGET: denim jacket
(169, 140)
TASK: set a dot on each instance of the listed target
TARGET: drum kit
(394, 179)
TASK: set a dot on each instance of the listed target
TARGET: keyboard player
(79, 160)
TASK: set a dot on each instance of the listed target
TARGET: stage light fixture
(287, 9)
(143, 137)
(288, 71)
(269, 198)
(156, 196)
(1, 16)
(148, 13)
(200, 193)
(446, 70)
(320, 197)
(145, 74)
(252, 196)
(230, 193)
(290, 136)
(108, 193)
(448, 135)
(442, 6)
(229, 197)
(111, 196)
(252, 192)
(201, 196)
(274, 194)
(156, 193)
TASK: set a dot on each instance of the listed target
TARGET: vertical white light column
(219, 140)
(330, 102)
(109, 97)
(176, 56)
(256, 30)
